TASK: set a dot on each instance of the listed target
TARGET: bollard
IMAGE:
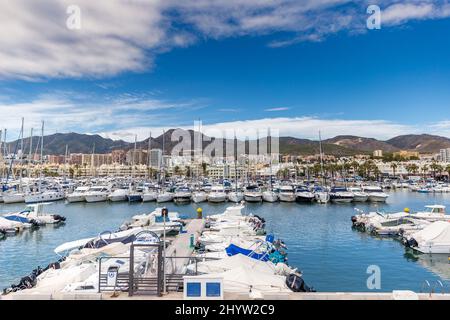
(199, 213)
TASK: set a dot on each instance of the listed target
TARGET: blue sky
(323, 71)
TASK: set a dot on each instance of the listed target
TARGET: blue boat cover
(234, 249)
(17, 219)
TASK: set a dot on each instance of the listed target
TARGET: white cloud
(401, 12)
(277, 109)
(61, 113)
(119, 35)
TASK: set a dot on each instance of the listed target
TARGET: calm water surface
(320, 240)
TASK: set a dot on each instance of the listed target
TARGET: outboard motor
(59, 218)
(411, 243)
(297, 284)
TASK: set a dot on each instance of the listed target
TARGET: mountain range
(338, 146)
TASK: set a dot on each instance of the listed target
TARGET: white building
(444, 155)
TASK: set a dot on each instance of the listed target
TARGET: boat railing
(426, 285)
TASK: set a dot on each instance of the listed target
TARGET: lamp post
(164, 212)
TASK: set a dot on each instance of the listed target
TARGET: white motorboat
(217, 194)
(303, 195)
(118, 195)
(182, 195)
(321, 195)
(270, 196)
(78, 195)
(149, 195)
(235, 196)
(341, 195)
(252, 194)
(46, 196)
(35, 212)
(97, 194)
(199, 196)
(358, 194)
(164, 196)
(287, 193)
(432, 213)
(376, 194)
(434, 238)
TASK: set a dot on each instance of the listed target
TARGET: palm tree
(394, 167)
(424, 170)
(447, 169)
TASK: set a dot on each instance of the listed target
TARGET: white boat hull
(236, 197)
(44, 197)
(148, 197)
(216, 198)
(287, 197)
(199, 197)
(14, 198)
(96, 198)
(75, 198)
(270, 196)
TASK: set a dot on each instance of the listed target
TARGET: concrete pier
(180, 247)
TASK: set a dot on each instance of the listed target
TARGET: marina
(331, 255)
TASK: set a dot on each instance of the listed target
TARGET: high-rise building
(444, 155)
(155, 158)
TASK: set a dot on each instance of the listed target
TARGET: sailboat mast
(321, 158)
(235, 163)
(149, 149)
(269, 149)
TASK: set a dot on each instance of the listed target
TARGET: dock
(179, 251)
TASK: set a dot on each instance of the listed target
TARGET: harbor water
(320, 240)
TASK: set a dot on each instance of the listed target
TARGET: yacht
(77, 195)
(376, 194)
(302, 195)
(341, 195)
(252, 194)
(359, 195)
(46, 196)
(287, 193)
(236, 196)
(217, 194)
(118, 195)
(182, 195)
(97, 194)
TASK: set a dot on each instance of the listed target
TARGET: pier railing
(147, 277)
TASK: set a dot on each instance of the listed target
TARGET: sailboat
(236, 195)
(269, 195)
(321, 194)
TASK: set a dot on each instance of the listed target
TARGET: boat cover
(234, 249)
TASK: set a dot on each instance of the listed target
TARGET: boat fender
(354, 219)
